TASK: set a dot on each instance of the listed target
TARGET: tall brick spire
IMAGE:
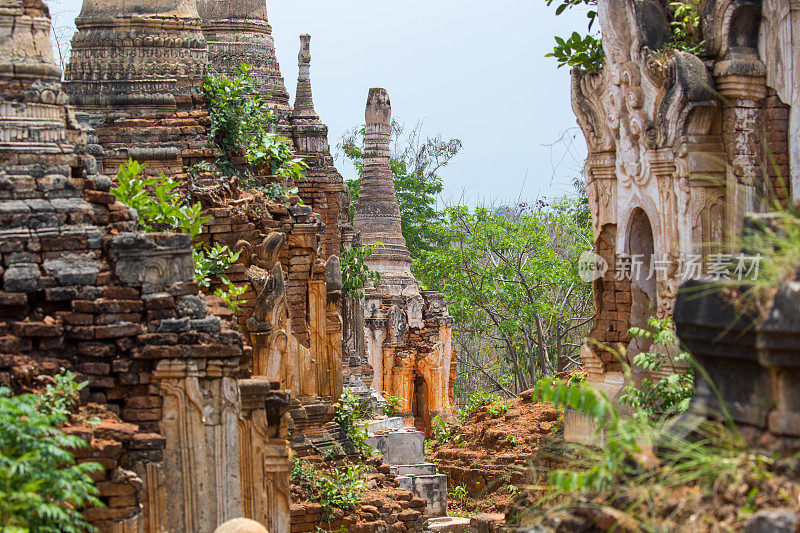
(238, 31)
(304, 99)
(377, 214)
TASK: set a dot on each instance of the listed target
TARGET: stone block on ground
(424, 469)
(487, 523)
(432, 489)
(384, 424)
(406, 447)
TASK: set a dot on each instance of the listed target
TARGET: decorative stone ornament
(677, 152)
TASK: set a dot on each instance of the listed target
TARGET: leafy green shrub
(686, 34)
(341, 489)
(161, 208)
(497, 410)
(459, 494)
(393, 404)
(440, 430)
(641, 451)
(303, 473)
(214, 261)
(347, 412)
(355, 273)
(241, 124)
(338, 489)
(41, 486)
(583, 51)
(231, 296)
(673, 393)
(586, 51)
(477, 399)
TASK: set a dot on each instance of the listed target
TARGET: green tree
(415, 163)
(42, 489)
(510, 275)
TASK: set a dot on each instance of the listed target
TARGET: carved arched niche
(640, 247)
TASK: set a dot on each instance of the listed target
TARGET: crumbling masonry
(196, 416)
(185, 445)
(679, 149)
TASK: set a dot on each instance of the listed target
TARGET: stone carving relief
(265, 469)
(652, 125)
(154, 259)
(200, 424)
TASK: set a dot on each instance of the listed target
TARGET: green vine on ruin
(161, 208)
(242, 126)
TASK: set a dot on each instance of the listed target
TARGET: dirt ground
(488, 457)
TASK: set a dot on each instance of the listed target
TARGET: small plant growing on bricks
(161, 208)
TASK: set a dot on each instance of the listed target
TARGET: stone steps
(403, 449)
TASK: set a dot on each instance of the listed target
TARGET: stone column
(375, 322)
(334, 326)
(265, 468)
(200, 422)
(743, 136)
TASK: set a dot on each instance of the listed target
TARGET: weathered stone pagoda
(134, 74)
(291, 312)
(408, 330)
(185, 444)
(239, 33)
(679, 149)
(323, 189)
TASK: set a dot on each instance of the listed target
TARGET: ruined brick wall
(384, 507)
(310, 297)
(166, 127)
(776, 116)
(83, 290)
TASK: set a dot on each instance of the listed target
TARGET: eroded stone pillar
(200, 422)
(265, 458)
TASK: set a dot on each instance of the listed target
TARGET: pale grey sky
(468, 69)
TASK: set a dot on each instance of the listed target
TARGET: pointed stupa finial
(377, 214)
(304, 100)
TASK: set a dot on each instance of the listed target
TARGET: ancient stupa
(239, 32)
(134, 74)
(408, 330)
